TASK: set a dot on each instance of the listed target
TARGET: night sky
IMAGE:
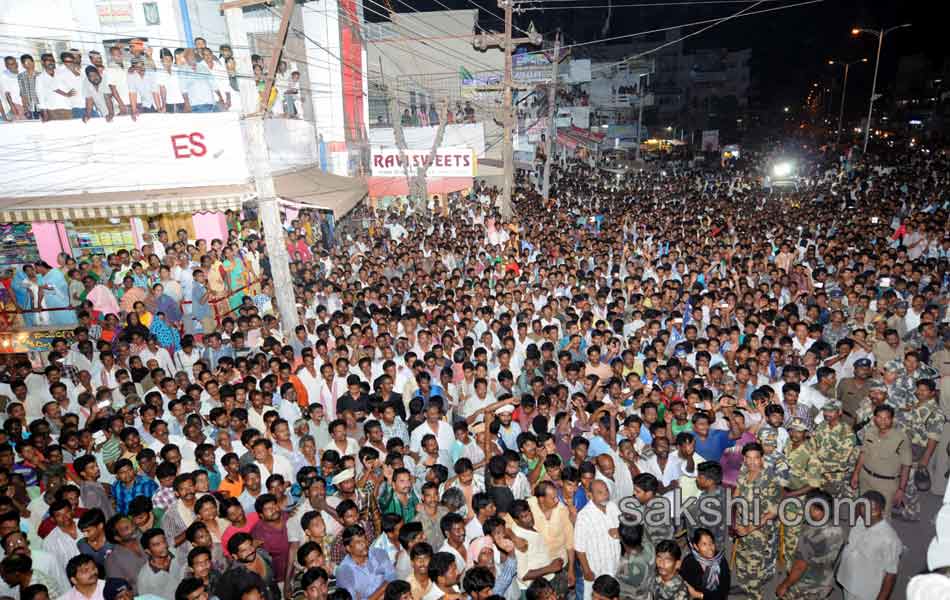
(790, 47)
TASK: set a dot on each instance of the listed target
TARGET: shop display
(17, 245)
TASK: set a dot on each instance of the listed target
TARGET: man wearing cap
(804, 475)
(923, 421)
(835, 447)
(876, 396)
(853, 390)
(885, 459)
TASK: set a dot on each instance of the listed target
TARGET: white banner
(458, 135)
(157, 151)
(447, 162)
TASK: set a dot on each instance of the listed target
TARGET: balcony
(161, 164)
(158, 151)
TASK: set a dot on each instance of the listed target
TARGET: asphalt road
(916, 537)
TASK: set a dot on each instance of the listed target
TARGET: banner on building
(447, 162)
(711, 140)
(115, 12)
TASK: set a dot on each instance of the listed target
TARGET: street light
(880, 33)
(844, 90)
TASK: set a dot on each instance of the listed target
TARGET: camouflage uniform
(655, 531)
(819, 548)
(922, 423)
(674, 589)
(905, 387)
(755, 552)
(835, 448)
(636, 573)
(708, 512)
(805, 470)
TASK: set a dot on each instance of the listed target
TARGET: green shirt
(389, 503)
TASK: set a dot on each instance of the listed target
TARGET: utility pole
(552, 118)
(259, 156)
(506, 116)
(640, 110)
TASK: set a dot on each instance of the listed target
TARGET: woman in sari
(160, 302)
(133, 327)
(25, 292)
(168, 336)
(54, 292)
(234, 267)
(218, 287)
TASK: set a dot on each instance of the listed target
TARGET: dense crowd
(475, 407)
(131, 82)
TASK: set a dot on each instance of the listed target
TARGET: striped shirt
(27, 83)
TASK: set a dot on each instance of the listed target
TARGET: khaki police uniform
(883, 458)
(940, 464)
(851, 392)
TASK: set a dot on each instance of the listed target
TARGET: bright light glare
(782, 169)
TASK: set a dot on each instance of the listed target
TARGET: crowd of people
(133, 81)
(475, 407)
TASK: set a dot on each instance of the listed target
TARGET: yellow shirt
(558, 531)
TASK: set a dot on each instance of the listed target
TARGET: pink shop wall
(51, 239)
(210, 226)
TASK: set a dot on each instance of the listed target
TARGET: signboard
(115, 12)
(447, 162)
(711, 140)
(179, 150)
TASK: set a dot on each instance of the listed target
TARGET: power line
(616, 6)
(680, 26)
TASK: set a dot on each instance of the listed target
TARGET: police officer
(852, 390)
(885, 459)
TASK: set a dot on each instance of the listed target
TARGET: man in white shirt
(870, 559)
(596, 537)
(96, 95)
(55, 104)
(143, 94)
(117, 80)
(10, 99)
(70, 78)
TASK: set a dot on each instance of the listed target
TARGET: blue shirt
(597, 447)
(361, 581)
(141, 486)
(716, 443)
(199, 310)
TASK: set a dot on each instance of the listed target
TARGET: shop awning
(310, 187)
(314, 188)
(124, 204)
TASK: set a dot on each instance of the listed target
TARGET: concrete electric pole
(258, 155)
(506, 116)
(552, 118)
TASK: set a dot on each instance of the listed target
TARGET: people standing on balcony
(54, 294)
(11, 107)
(169, 86)
(96, 95)
(143, 92)
(26, 292)
(54, 100)
(117, 78)
(219, 80)
(27, 80)
(197, 84)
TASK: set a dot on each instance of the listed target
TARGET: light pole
(844, 90)
(880, 33)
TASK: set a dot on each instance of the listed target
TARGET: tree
(417, 182)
